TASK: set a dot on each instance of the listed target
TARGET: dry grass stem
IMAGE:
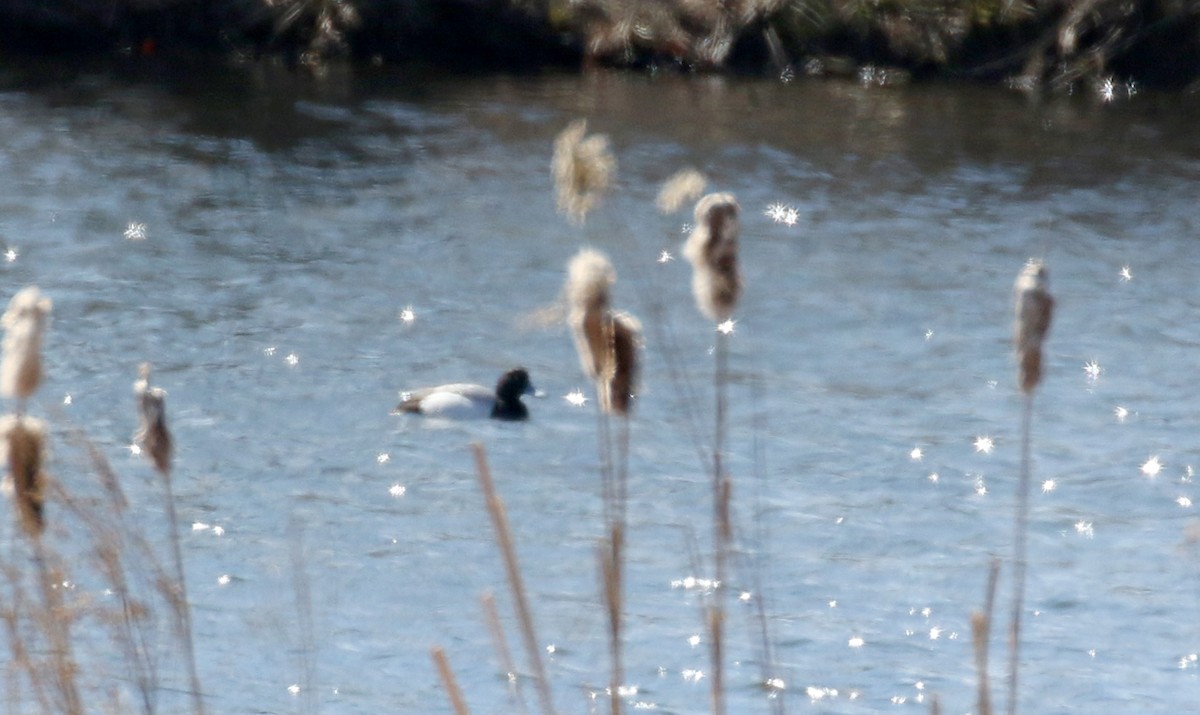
(712, 249)
(684, 186)
(1034, 307)
(508, 553)
(24, 324)
(25, 444)
(584, 168)
(449, 682)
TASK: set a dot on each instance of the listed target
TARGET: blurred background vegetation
(1053, 44)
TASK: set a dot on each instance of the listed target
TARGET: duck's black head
(509, 389)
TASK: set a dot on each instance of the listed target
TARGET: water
(288, 224)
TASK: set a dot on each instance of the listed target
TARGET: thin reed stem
(179, 598)
(516, 583)
(492, 616)
(449, 682)
(981, 627)
(722, 528)
(1020, 532)
(304, 617)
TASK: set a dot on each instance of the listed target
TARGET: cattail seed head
(1034, 308)
(617, 393)
(712, 249)
(152, 434)
(584, 168)
(607, 341)
(589, 277)
(684, 185)
(24, 442)
(24, 324)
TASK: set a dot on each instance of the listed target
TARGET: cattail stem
(722, 527)
(179, 598)
(1020, 532)
(516, 583)
(449, 682)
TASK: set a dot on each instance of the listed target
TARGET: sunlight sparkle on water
(726, 328)
(692, 675)
(292, 359)
(814, 693)
(10, 255)
(397, 490)
(135, 450)
(1184, 502)
(933, 478)
(694, 640)
(1048, 486)
(407, 316)
(135, 231)
(223, 580)
(856, 642)
(1189, 660)
(665, 257)
(1151, 467)
(780, 213)
(1126, 274)
(269, 351)
(928, 333)
(1093, 370)
(916, 454)
(576, 398)
(1120, 413)
(1085, 528)
(294, 688)
(67, 399)
(984, 444)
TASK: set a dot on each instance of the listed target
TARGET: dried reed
(712, 249)
(584, 168)
(24, 324)
(155, 441)
(608, 344)
(449, 682)
(1033, 307)
(512, 569)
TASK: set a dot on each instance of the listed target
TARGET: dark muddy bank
(1055, 44)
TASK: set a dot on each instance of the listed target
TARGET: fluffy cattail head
(583, 169)
(1034, 308)
(712, 249)
(152, 435)
(607, 342)
(24, 324)
(24, 442)
(589, 277)
(684, 186)
(617, 392)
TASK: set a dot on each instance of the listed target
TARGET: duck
(462, 400)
